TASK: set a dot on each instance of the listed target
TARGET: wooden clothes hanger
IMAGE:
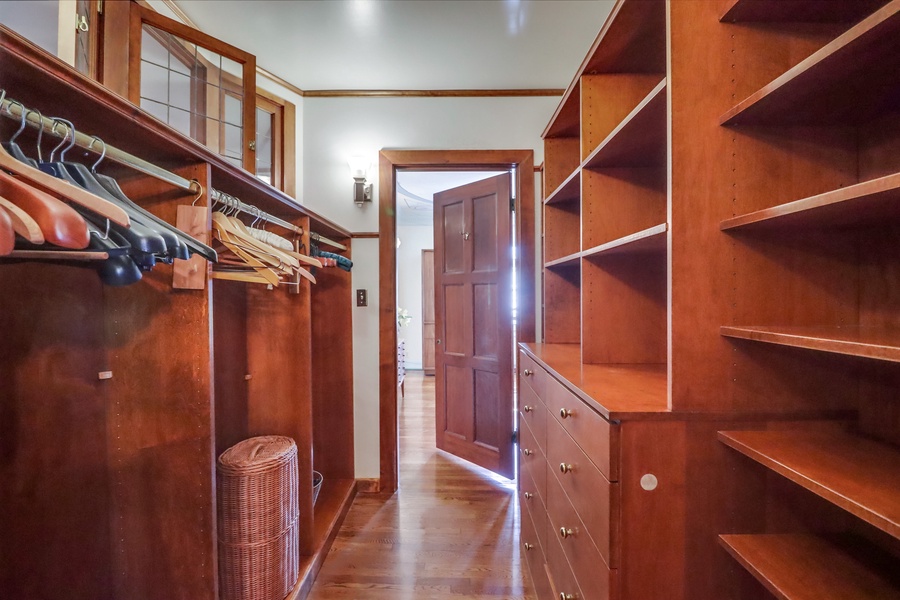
(7, 234)
(60, 224)
(22, 222)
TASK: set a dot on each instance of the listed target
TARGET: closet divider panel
(279, 390)
(332, 374)
(159, 424)
(54, 497)
(230, 363)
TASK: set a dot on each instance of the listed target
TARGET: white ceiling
(409, 44)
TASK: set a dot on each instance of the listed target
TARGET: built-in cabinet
(115, 402)
(721, 306)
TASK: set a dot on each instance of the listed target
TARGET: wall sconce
(362, 191)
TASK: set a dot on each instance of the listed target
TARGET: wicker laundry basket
(258, 524)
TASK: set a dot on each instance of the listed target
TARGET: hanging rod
(12, 109)
(229, 200)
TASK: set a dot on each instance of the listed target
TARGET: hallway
(450, 532)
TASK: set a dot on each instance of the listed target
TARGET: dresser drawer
(562, 579)
(531, 374)
(595, 435)
(594, 498)
(532, 411)
(531, 459)
(593, 576)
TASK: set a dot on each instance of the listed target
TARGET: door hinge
(515, 436)
(512, 204)
(99, 7)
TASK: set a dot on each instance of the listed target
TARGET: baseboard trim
(368, 486)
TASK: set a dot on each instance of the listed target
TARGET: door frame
(389, 161)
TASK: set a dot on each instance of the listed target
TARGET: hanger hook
(2, 96)
(62, 155)
(102, 152)
(22, 113)
(199, 191)
(58, 121)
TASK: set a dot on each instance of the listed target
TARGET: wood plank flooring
(450, 532)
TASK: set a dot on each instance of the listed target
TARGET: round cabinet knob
(565, 468)
(528, 495)
(528, 372)
(565, 413)
(527, 452)
(565, 596)
(527, 408)
(565, 533)
(528, 546)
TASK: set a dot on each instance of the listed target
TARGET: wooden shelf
(566, 121)
(633, 40)
(870, 202)
(799, 11)
(616, 390)
(639, 140)
(878, 344)
(652, 239)
(570, 189)
(797, 566)
(571, 260)
(850, 80)
(858, 475)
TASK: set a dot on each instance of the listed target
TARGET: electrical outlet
(362, 298)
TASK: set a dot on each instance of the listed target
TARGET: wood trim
(289, 140)
(504, 93)
(368, 486)
(434, 160)
(366, 235)
(282, 82)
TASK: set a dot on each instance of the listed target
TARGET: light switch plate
(362, 297)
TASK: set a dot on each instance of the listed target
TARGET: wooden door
(473, 319)
(428, 311)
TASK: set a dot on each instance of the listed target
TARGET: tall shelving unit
(732, 307)
(108, 481)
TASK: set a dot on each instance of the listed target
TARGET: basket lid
(258, 451)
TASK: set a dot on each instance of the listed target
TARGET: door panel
(484, 308)
(428, 311)
(473, 323)
(455, 340)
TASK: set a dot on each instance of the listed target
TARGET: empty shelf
(865, 203)
(652, 239)
(808, 567)
(851, 79)
(570, 189)
(874, 343)
(566, 261)
(856, 474)
(639, 140)
(799, 11)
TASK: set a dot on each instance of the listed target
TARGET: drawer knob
(527, 408)
(527, 452)
(528, 372)
(528, 546)
(565, 413)
(565, 468)
(565, 596)
(528, 495)
(565, 533)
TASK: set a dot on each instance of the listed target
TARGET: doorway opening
(400, 171)
(471, 386)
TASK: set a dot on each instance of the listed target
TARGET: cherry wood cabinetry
(115, 402)
(721, 291)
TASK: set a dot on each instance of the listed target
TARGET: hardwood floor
(450, 532)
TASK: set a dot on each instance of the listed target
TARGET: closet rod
(229, 200)
(12, 109)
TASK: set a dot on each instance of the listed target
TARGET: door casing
(441, 160)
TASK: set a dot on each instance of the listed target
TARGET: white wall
(48, 23)
(413, 239)
(335, 129)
